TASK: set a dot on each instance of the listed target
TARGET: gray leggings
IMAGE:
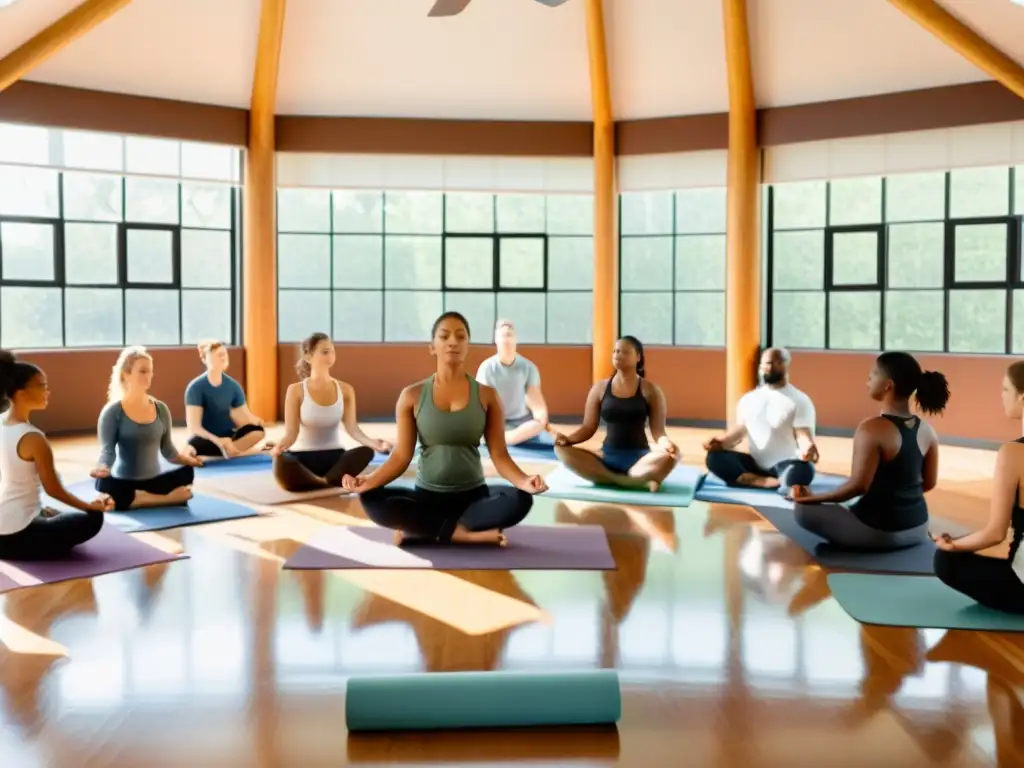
(840, 527)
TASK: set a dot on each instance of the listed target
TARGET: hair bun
(7, 358)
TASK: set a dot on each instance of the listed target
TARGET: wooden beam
(606, 267)
(56, 38)
(743, 268)
(965, 41)
(259, 259)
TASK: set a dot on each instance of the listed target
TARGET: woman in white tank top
(28, 531)
(310, 456)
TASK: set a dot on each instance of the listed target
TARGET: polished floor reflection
(730, 650)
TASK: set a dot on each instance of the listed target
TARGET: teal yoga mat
(676, 491)
(923, 602)
(442, 700)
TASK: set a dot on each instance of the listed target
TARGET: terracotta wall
(78, 382)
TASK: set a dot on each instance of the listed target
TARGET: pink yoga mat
(110, 551)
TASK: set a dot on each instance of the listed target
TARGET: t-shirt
(216, 402)
(511, 382)
(770, 416)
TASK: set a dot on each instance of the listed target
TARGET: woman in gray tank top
(449, 413)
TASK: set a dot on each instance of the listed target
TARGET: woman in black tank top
(895, 461)
(626, 403)
(994, 582)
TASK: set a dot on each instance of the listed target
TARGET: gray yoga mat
(554, 548)
(915, 601)
(912, 560)
(111, 550)
(713, 489)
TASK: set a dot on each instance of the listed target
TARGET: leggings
(299, 471)
(434, 515)
(122, 490)
(51, 538)
(839, 526)
(206, 447)
(729, 465)
(990, 581)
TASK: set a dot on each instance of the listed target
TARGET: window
(924, 262)
(381, 266)
(93, 259)
(672, 267)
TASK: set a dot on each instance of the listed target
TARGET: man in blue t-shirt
(517, 382)
(218, 419)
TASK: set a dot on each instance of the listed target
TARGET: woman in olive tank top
(449, 412)
(626, 403)
(895, 462)
(995, 582)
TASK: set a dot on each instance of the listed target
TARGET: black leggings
(299, 471)
(51, 538)
(122, 490)
(990, 581)
(729, 465)
(433, 515)
(206, 447)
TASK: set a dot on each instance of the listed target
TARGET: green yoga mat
(923, 602)
(676, 491)
(442, 700)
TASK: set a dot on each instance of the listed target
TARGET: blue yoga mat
(199, 510)
(676, 491)
(713, 489)
(915, 601)
(441, 700)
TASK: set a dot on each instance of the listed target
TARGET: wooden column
(55, 38)
(965, 41)
(743, 268)
(259, 194)
(606, 266)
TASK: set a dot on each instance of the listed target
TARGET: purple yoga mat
(550, 548)
(110, 551)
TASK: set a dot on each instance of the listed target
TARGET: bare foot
(758, 481)
(653, 486)
(462, 536)
(399, 538)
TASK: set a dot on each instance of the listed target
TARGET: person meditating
(134, 430)
(895, 462)
(517, 382)
(310, 456)
(219, 422)
(28, 530)
(449, 413)
(995, 582)
(626, 403)
(777, 419)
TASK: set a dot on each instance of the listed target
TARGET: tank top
(1016, 555)
(450, 459)
(19, 481)
(895, 499)
(319, 425)
(625, 419)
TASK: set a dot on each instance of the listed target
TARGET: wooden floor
(730, 650)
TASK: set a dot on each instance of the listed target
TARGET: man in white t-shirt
(777, 419)
(517, 382)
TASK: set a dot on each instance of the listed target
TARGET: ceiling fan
(455, 7)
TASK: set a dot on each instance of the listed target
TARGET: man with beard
(778, 421)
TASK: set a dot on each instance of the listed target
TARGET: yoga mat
(441, 700)
(111, 550)
(912, 560)
(254, 462)
(199, 510)
(526, 452)
(915, 601)
(259, 487)
(714, 490)
(676, 491)
(546, 548)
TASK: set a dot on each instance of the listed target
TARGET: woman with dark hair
(29, 531)
(626, 403)
(449, 412)
(895, 462)
(218, 419)
(994, 582)
(310, 456)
